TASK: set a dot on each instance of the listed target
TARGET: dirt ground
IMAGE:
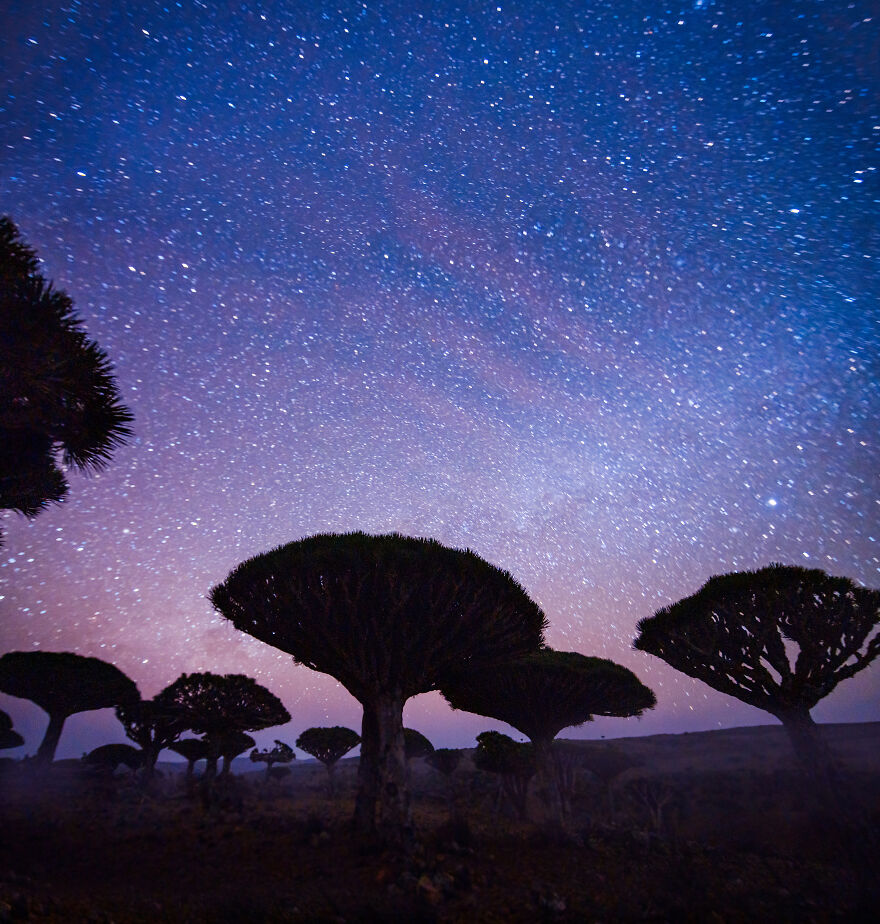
(101, 851)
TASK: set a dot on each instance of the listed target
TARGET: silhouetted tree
(108, 757)
(546, 691)
(214, 705)
(63, 683)
(153, 725)
(781, 639)
(329, 745)
(415, 744)
(8, 737)
(513, 761)
(59, 405)
(280, 754)
(192, 750)
(229, 745)
(741, 632)
(389, 617)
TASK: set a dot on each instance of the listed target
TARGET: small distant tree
(214, 705)
(546, 691)
(780, 639)
(229, 745)
(108, 757)
(390, 617)
(328, 745)
(192, 750)
(280, 754)
(153, 725)
(513, 761)
(59, 404)
(62, 684)
(8, 737)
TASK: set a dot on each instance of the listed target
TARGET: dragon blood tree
(8, 737)
(153, 725)
(389, 617)
(546, 691)
(192, 750)
(281, 753)
(62, 684)
(214, 705)
(328, 745)
(779, 639)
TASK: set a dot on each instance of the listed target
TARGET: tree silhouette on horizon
(329, 746)
(214, 705)
(781, 639)
(153, 726)
(281, 753)
(63, 683)
(739, 632)
(59, 403)
(192, 750)
(546, 691)
(8, 737)
(389, 616)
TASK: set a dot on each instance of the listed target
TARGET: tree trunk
(546, 774)
(151, 756)
(838, 812)
(813, 752)
(368, 779)
(391, 793)
(46, 751)
(331, 779)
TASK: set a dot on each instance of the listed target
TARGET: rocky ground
(102, 851)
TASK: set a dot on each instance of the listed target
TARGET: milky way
(590, 288)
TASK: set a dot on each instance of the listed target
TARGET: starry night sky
(587, 287)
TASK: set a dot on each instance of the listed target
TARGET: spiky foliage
(153, 726)
(215, 705)
(110, 756)
(380, 611)
(280, 754)
(8, 737)
(328, 745)
(444, 760)
(63, 683)
(415, 744)
(734, 635)
(58, 396)
(212, 704)
(388, 616)
(546, 691)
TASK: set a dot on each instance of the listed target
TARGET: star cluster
(590, 288)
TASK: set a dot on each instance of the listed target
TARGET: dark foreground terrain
(710, 827)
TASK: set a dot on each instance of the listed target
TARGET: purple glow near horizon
(591, 290)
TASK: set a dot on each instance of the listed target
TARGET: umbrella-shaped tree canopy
(63, 683)
(546, 691)
(377, 612)
(780, 638)
(328, 745)
(213, 704)
(388, 616)
(8, 737)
